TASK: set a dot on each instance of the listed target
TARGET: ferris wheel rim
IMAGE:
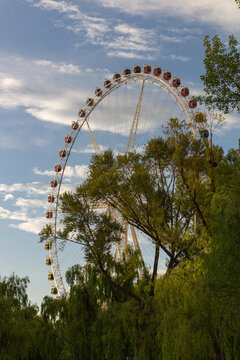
(114, 85)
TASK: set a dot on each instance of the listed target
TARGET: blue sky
(52, 56)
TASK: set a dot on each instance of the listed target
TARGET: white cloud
(8, 197)
(46, 95)
(30, 203)
(30, 188)
(36, 171)
(4, 213)
(173, 39)
(89, 149)
(184, 30)
(56, 105)
(138, 35)
(34, 225)
(92, 26)
(223, 14)
(35, 188)
(8, 83)
(179, 57)
(61, 6)
(61, 67)
(77, 171)
(12, 215)
(129, 55)
(121, 42)
(176, 39)
(99, 31)
(232, 122)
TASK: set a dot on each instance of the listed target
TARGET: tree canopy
(182, 193)
(221, 79)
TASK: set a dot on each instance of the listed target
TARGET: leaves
(222, 79)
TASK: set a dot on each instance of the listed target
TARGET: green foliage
(113, 313)
(221, 80)
(18, 321)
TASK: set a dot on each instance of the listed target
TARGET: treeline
(194, 311)
(196, 308)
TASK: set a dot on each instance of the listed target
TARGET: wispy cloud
(32, 225)
(89, 149)
(35, 86)
(101, 32)
(12, 215)
(8, 197)
(61, 67)
(232, 121)
(222, 14)
(176, 39)
(129, 55)
(77, 171)
(30, 203)
(8, 83)
(135, 34)
(93, 27)
(29, 188)
(179, 57)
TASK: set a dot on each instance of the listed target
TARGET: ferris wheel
(123, 115)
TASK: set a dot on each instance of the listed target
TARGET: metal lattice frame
(114, 85)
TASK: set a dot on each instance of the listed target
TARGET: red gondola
(176, 82)
(147, 69)
(192, 103)
(167, 75)
(185, 91)
(49, 214)
(62, 153)
(54, 183)
(157, 71)
(58, 167)
(51, 198)
(74, 125)
(68, 139)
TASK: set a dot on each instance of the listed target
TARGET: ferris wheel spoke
(125, 235)
(133, 131)
(136, 244)
(117, 253)
(94, 141)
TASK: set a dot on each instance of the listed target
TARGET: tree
(221, 80)
(19, 323)
(159, 192)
